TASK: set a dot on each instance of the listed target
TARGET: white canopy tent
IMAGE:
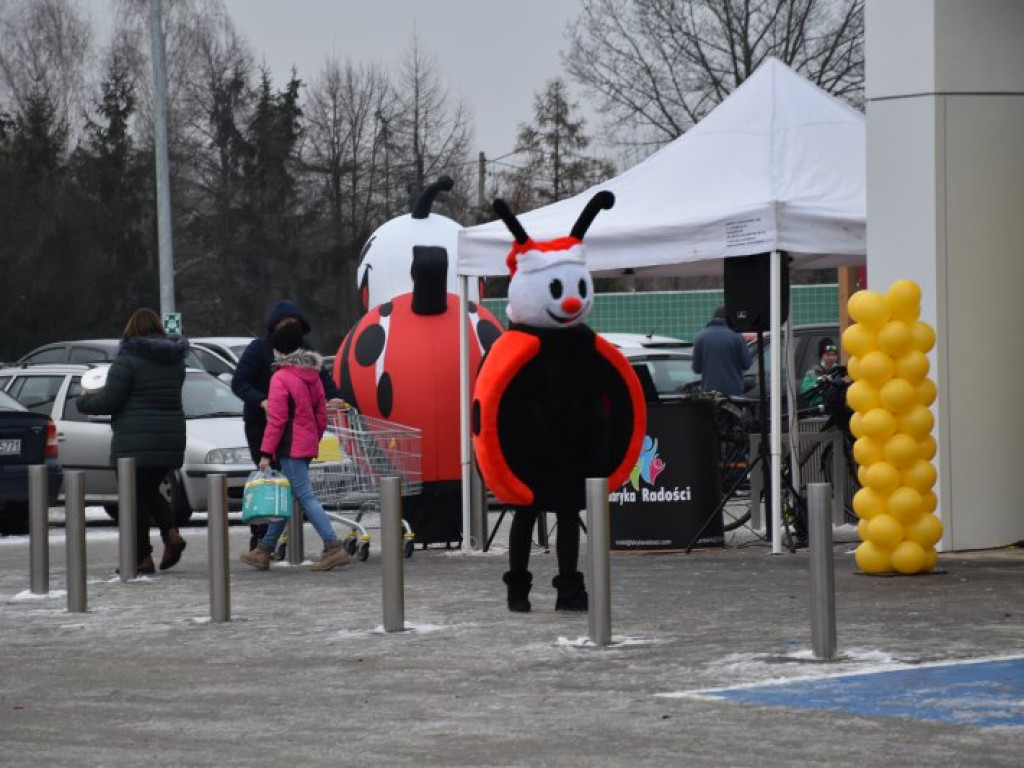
(779, 166)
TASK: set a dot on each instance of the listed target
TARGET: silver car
(215, 435)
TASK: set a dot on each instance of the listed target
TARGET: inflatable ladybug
(400, 362)
(554, 403)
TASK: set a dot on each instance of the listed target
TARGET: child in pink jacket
(296, 420)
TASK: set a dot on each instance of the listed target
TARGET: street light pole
(163, 179)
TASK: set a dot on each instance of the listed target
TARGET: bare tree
(429, 133)
(658, 66)
(553, 145)
(44, 49)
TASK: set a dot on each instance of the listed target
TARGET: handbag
(267, 497)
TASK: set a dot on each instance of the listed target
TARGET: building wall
(945, 120)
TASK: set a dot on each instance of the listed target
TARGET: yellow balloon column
(892, 421)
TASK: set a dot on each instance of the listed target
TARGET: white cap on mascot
(386, 261)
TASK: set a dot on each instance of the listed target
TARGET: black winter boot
(519, 583)
(572, 595)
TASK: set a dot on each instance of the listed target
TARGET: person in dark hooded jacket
(251, 383)
(142, 394)
(721, 356)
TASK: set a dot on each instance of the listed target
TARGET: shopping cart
(355, 453)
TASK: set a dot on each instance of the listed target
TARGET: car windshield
(206, 397)
(670, 373)
(239, 349)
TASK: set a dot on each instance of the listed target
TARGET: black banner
(675, 485)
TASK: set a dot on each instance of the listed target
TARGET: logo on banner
(648, 466)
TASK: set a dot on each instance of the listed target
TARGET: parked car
(667, 360)
(228, 347)
(645, 341)
(805, 341)
(215, 435)
(26, 438)
(105, 350)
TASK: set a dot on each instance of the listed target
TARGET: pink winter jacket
(297, 383)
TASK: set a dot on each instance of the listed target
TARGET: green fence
(683, 313)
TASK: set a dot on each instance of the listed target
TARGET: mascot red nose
(554, 404)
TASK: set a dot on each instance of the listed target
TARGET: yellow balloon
(926, 530)
(875, 367)
(922, 336)
(871, 558)
(916, 422)
(861, 396)
(868, 503)
(862, 475)
(885, 531)
(867, 451)
(894, 338)
(931, 558)
(878, 424)
(920, 475)
(869, 308)
(929, 502)
(862, 529)
(904, 299)
(853, 367)
(897, 396)
(905, 504)
(908, 557)
(926, 392)
(901, 450)
(927, 448)
(882, 477)
(858, 340)
(912, 366)
(855, 425)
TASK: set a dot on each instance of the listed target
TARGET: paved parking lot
(710, 665)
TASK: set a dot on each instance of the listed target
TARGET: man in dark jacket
(721, 356)
(142, 395)
(251, 383)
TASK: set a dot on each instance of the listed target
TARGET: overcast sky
(494, 53)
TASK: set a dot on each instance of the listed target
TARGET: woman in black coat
(142, 394)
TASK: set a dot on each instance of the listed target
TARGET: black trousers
(567, 543)
(150, 508)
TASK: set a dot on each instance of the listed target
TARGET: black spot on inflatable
(385, 396)
(386, 309)
(472, 307)
(475, 417)
(369, 345)
(488, 333)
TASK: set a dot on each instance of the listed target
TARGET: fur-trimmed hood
(300, 358)
(161, 349)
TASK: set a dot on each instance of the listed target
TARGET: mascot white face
(557, 296)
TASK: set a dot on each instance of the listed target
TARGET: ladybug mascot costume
(554, 404)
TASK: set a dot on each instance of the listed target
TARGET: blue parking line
(985, 694)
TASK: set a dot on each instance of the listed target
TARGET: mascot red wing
(554, 403)
(401, 360)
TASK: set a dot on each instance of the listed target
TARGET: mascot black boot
(572, 595)
(519, 583)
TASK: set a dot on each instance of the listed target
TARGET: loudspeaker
(748, 289)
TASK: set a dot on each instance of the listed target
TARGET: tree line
(276, 187)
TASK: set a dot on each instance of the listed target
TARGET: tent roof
(778, 165)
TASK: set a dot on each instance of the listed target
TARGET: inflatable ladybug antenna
(554, 403)
(424, 201)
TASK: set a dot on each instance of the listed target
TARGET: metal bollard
(393, 587)
(823, 588)
(74, 535)
(126, 519)
(217, 540)
(599, 561)
(296, 548)
(38, 531)
(477, 514)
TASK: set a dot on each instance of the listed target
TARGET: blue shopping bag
(267, 497)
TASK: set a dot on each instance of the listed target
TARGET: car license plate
(10, 447)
